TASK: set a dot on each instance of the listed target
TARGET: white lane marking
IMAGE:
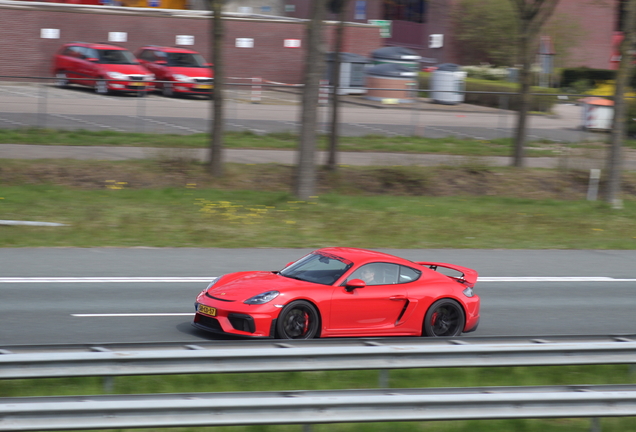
(553, 279)
(202, 279)
(113, 315)
(106, 279)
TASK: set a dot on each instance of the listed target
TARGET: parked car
(178, 70)
(342, 292)
(102, 66)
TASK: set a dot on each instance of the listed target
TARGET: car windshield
(320, 268)
(186, 60)
(116, 57)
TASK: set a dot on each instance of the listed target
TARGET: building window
(405, 10)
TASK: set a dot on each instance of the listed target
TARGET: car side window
(407, 274)
(377, 274)
(148, 55)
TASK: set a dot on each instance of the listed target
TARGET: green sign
(385, 27)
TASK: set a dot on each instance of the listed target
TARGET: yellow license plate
(137, 84)
(204, 87)
(207, 310)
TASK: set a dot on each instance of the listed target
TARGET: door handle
(398, 297)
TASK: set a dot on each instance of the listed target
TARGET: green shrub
(499, 94)
(575, 78)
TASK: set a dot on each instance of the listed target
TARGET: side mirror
(161, 62)
(354, 284)
(92, 59)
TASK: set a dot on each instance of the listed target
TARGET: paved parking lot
(29, 105)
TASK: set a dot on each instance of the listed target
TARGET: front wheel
(298, 320)
(101, 87)
(444, 318)
(61, 80)
(168, 90)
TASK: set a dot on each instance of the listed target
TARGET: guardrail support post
(307, 428)
(108, 384)
(595, 424)
(383, 378)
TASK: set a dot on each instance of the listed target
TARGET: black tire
(444, 318)
(62, 80)
(101, 87)
(168, 90)
(298, 320)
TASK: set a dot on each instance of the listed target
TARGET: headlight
(180, 77)
(468, 292)
(116, 75)
(149, 77)
(262, 298)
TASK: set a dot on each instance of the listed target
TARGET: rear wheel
(298, 320)
(444, 318)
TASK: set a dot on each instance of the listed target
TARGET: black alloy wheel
(444, 318)
(298, 320)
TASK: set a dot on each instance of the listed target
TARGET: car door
(373, 309)
(88, 67)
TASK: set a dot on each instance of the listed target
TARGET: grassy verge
(116, 216)
(288, 141)
(324, 380)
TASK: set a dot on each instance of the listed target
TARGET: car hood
(192, 72)
(126, 69)
(241, 286)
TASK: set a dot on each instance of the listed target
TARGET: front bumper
(259, 325)
(131, 86)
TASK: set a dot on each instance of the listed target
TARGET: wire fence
(263, 107)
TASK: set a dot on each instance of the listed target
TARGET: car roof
(361, 256)
(170, 49)
(98, 45)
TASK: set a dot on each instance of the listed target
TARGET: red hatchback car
(335, 292)
(104, 67)
(178, 70)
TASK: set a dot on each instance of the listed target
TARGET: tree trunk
(332, 162)
(305, 177)
(531, 15)
(623, 75)
(215, 163)
(525, 81)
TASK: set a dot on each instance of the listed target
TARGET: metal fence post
(42, 105)
(140, 111)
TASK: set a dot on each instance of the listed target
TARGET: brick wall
(24, 53)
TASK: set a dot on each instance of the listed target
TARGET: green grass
(288, 141)
(326, 380)
(180, 217)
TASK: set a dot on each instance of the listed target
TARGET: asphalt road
(73, 108)
(586, 292)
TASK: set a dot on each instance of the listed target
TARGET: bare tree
(530, 15)
(623, 75)
(216, 137)
(305, 177)
(340, 8)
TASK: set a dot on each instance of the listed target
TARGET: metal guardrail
(283, 357)
(313, 407)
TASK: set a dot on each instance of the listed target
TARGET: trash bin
(448, 82)
(391, 83)
(352, 72)
(397, 55)
(597, 113)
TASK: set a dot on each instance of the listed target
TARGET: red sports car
(341, 292)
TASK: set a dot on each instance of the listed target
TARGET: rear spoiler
(468, 277)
